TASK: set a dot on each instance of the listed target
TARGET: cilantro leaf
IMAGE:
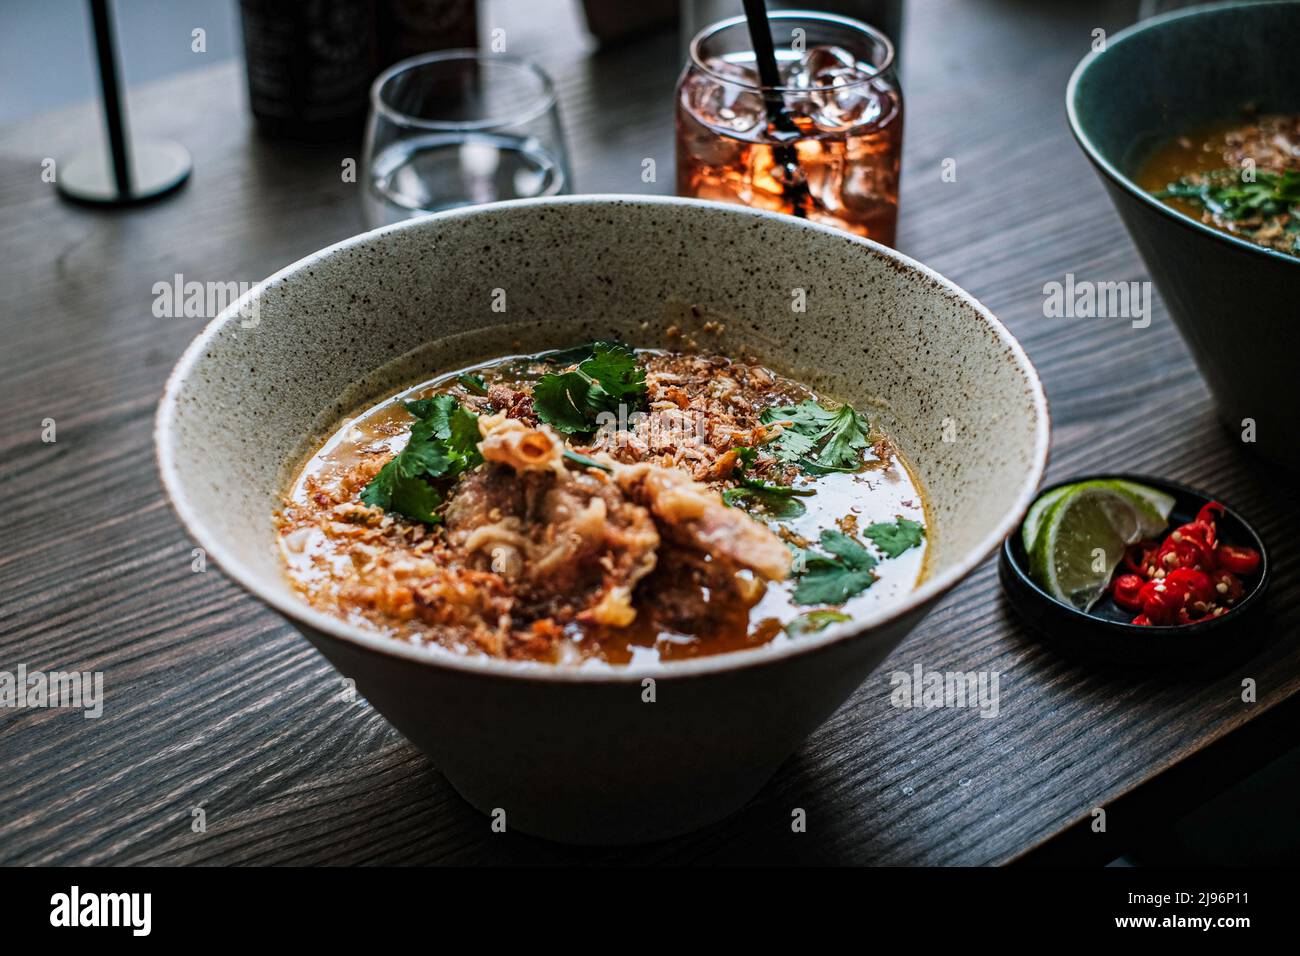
(443, 443)
(810, 622)
(407, 495)
(808, 417)
(416, 499)
(834, 578)
(747, 457)
(771, 488)
(422, 459)
(433, 414)
(608, 378)
(765, 500)
(584, 461)
(580, 353)
(828, 582)
(807, 421)
(818, 439)
(561, 402)
(463, 437)
(846, 437)
(1232, 199)
(754, 494)
(848, 549)
(893, 538)
(379, 493)
(614, 366)
(792, 445)
(472, 383)
(811, 467)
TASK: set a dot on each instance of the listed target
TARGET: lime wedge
(1081, 535)
(1160, 504)
(1034, 519)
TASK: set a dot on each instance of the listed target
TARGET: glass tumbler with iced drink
(824, 145)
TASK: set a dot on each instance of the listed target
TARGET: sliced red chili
(1138, 557)
(1209, 513)
(1239, 560)
(1126, 589)
(1197, 584)
(1161, 602)
(1228, 588)
(1188, 576)
(1184, 549)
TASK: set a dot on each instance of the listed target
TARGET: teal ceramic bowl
(1235, 303)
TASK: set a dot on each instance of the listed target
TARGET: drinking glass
(884, 15)
(456, 128)
(825, 145)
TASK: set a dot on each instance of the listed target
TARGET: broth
(346, 560)
(1200, 175)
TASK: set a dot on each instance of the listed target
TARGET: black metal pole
(113, 113)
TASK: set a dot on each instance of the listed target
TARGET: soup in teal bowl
(1192, 120)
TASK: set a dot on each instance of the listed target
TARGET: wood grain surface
(213, 702)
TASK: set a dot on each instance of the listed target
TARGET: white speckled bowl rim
(296, 610)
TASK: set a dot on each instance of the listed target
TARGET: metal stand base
(157, 168)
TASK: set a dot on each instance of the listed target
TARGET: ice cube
(840, 94)
(819, 65)
(708, 147)
(868, 189)
(723, 104)
(847, 104)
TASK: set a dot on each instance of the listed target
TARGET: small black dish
(1104, 633)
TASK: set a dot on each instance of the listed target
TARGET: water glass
(459, 127)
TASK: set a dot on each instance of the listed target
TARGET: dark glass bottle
(311, 62)
(410, 27)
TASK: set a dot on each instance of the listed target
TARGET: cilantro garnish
(776, 501)
(579, 353)
(1232, 199)
(835, 577)
(443, 444)
(810, 622)
(771, 488)
(818, 439)
(434, 415)
(472, 383)
(584, 461)
(746, 456)
(608, 378)
(1226, 194)
(895, 537)
(846, 437)
(808, 421)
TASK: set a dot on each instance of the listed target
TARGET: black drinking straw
(760, 35)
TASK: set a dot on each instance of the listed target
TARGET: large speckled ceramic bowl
(578, 755)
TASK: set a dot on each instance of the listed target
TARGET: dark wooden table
(213, 702)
